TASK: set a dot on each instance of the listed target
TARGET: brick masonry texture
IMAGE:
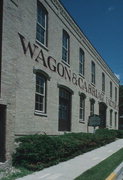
(18, 77)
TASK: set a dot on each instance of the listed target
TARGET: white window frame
(93, 73)
(82, 119)
(40, 25)
(81, 61)
(65, 48)
(43, 111)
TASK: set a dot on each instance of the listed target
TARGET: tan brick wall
(18, 77)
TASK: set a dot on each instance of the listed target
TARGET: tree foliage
(121, 100)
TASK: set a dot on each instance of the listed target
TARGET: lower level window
(40, 94)
(82, 109)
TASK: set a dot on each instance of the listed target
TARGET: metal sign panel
(94, 120)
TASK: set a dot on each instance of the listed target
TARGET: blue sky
(102, 23)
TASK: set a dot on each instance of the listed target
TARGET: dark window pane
(65, 40)
(64, 54)
(65, 48)
(41, 16)
(40, 34)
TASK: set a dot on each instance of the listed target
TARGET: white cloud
(117, 75)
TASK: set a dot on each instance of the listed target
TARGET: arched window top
(93, 62)
(40, 5)
(92, 100)
(41, 72)
(103, 74)
(65, 87)
(82, 51)
(66, 33)
(103, 104)
(82, 95)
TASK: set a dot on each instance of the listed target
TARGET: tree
(121, 107)
(121, 100)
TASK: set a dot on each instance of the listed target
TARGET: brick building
(51, 77)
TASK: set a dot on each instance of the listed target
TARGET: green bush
(38, 151)
(119, 133)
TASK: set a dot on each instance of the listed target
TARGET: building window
(93, 72)
(111, 118)
(110, 89)
(65, 47)
(92, 102)
(41, 29)
(115, 94)
(40, 94)
(82, 108)
(103, 82)
(81, 62)
(115, 119)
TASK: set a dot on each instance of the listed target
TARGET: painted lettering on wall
(63, 71)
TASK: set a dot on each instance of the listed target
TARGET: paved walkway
(71, 169)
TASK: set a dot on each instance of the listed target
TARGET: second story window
(65, 47)
(41, 29)
(103, 82)
(93, 72)
(115, 94)
(110, 89)
(81, 62)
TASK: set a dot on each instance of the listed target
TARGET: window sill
(82, 75)
(42, 45)
(65, 63)
(40, 114)
(80, 121)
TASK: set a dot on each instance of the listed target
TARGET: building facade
(51, 77)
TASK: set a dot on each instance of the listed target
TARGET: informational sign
(94, 120)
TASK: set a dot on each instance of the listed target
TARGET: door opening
(64, 110)
(102, 113)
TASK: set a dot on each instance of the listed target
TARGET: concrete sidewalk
(71, 169)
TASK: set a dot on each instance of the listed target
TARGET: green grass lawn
(103, 169)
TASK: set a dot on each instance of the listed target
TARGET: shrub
(38, 151)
